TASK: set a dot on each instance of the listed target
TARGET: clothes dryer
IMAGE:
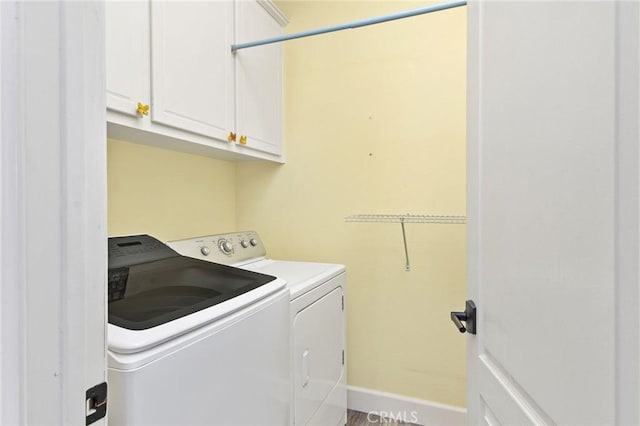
(317, 321)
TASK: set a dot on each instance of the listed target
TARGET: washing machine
(317, 321)
(192, 342)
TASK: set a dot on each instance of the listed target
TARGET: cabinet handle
(143, 109)
(231, 137)
(243, 139)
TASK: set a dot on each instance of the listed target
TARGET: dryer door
(318, 338)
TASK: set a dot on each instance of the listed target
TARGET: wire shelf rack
(407, 218)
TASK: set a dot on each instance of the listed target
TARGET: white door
(553, 212)
(53, 203)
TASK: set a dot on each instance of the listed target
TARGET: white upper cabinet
(259, 77)
(127, 50)
(191, 66)
(175, 57)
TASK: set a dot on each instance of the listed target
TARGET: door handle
(468, 316)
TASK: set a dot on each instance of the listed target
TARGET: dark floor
(357, 418)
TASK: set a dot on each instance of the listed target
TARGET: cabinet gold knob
(231, 137)
(243, 140)
(143, 109)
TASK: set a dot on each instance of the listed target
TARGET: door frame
(53, 210)
(627, 235)
(627, 206)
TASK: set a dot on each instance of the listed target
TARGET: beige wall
(375, 123)
(168, 194)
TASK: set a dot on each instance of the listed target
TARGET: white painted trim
(627, 225)
(414, 410)
(274, 11)
(1, 223)
(11, 226)
(474, 140)
(83, 174)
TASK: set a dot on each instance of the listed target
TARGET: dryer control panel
(228, 249)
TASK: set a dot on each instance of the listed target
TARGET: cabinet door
(127, 55)
(259, 79)
(192, 66)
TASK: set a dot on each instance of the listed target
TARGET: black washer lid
(150, 284)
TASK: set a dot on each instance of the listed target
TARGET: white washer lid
(300, 276)
(125, 341)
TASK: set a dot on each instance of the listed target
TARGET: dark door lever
(468, 316)
(457, 317)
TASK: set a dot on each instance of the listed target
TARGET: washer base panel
(214, 378)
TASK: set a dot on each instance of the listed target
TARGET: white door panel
(506, 397)
(127, 55)
(191, 67)
(259, 79)
(542, 156)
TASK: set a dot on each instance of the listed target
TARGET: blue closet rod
(351, 25)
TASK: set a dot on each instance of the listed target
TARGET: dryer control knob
(205, 250)
(225, 246)
(253, 242)
(244, 243)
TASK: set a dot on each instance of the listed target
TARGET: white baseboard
(402, 408)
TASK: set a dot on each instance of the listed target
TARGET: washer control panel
(227, 248)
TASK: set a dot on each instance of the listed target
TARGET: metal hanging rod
(406, 218)
(351, 25)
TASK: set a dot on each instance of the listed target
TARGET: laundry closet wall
(375, 123)
(168, 194)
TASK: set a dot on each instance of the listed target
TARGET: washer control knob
(244, 243)
(253, 242)
(205, 250)
(225, 246)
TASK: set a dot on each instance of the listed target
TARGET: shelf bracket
(407, 265)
